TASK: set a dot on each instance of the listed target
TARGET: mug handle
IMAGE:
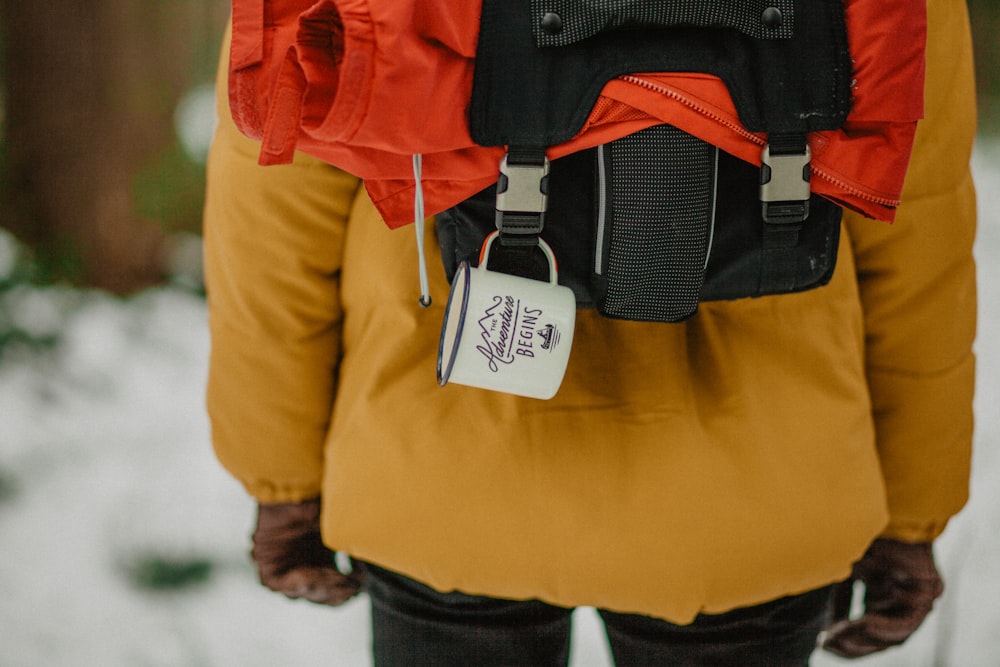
(484, 256)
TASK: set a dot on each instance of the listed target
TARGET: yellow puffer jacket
(749, 453)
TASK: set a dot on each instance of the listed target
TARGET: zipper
(691, 104)
(850, 189)
(750, 136)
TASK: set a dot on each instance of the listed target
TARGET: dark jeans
(416, 626)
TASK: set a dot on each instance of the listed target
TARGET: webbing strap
(784, 194)
(777, 268)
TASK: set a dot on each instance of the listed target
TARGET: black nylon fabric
(736, 266)
(526, 95)
(761, 19)
(656, 216)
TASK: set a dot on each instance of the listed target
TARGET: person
(712, 487)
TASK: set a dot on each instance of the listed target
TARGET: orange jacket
(364, 84)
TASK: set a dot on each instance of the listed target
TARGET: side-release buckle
(522, 196)
(784, 185)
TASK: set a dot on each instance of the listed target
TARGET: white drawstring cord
(418, 224)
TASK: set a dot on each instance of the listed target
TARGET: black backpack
(649, 225)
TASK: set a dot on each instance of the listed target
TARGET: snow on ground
(123, 544)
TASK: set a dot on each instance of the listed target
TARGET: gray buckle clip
(522, 188)
(784, 186)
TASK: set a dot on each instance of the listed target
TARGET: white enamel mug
(506, 333)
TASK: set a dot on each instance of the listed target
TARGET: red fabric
(364, 84)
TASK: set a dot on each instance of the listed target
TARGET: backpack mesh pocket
(655, 218)
(650, 225)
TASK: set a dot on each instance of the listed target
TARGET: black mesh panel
(656, 225)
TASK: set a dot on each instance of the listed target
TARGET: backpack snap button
(552, 23)
(771, 17)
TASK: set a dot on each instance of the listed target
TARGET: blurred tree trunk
(90, 90)
(985, 16)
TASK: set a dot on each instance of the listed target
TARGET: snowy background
(123, 544)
